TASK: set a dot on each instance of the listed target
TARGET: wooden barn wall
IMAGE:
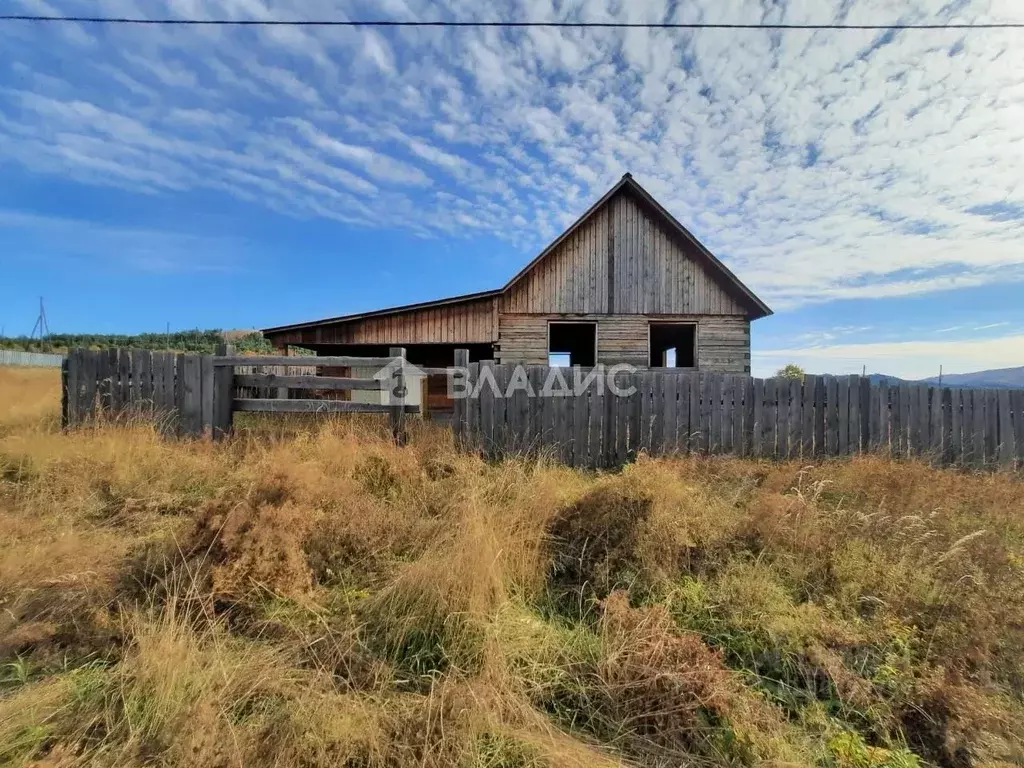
(652, 271)
(469, 323)
(723, 342)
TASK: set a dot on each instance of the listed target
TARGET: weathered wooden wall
(469, 322)
(669, 413)
(622, 260)
(723, 342)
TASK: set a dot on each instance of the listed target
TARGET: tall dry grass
(309, 594)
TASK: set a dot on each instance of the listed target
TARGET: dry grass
(309, 594)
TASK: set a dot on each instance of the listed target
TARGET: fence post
(462, 371)
(223, 393)
(398, 392)
(65, 392)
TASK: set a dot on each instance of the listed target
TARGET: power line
(499, 24)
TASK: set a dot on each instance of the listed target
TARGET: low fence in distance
(194, 395)
(671, 412)
(30, 359)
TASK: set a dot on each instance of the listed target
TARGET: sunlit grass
(307, 593)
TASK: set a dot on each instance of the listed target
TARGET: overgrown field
(309, 594)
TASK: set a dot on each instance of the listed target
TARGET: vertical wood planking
(749, 419)
(924, 420)
(67, 391)
(634, 413)
(832, 416)
(487, 407)
(460, 374)
(647, 410)
(124, 380)
(807, 416)
(193, 416)
(906, 398)
(223, 395)
(669, 443)
(770, 409)
(501, 433)
(955, 451)
(935, 417)
(991, 425)
(874, 440)
(715, 404)
(967, 427)
(978, 427)
(883, 437)
(866, 411)
(1007, 443)
(854, 415)
(206, 393)
(1017, 400)
(783, 391)
(659, 413)
(819, 416)
(796, 387)
(757, 431)
(726, 444)
(843, 413)
(473, 409)
(179, 423)
(580, 427)
(693, 415)
(136, 380)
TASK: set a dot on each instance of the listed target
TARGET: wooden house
(626, 283)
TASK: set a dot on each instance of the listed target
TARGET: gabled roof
(627, 183)
(717, 269)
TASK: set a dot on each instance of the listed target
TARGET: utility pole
(41, 324)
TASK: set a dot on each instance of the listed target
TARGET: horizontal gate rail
(320, 362)
(258, 405)
(304, 382)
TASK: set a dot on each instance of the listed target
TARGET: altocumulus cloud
(820, 165)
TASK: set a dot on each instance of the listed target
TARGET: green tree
(791, 371)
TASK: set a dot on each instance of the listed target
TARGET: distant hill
(1001, 378)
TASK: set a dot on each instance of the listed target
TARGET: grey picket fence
(192, 395)
(30, 359)
(668, 412)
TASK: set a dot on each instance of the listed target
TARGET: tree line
(195, 341)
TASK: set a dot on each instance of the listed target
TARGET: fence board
(502, 376)
(768, 439)
(843, 415)
(206, 394)
(924, 420)
(991, 425)
(796, 388)
(192, 417)
(937, 411)
(647, 410)
(682, 419)
(724, 406)
(955, 426)
(595, 426)
(978, 427)
(807, 416)
(782, 390)
(134, 399)
(1017, 397)
(882, 418)
(1006, 438)
(668, 443)
(693, 415)
(865, 413)
(146, 383)
(486, 401)
(854, 421)
(124, 382)
(715, 405)
(580, 424)
(906, 398)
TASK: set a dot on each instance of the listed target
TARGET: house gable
(627, 255)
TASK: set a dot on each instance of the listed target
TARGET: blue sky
(869, 186)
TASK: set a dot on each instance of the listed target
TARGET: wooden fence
(31, 359)
(671, 412)
(194, 395)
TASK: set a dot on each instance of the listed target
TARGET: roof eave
(465, 298)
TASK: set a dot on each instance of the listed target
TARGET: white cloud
(912, 359)
(820, 165)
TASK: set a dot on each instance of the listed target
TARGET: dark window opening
(673, 345)
(572, 344)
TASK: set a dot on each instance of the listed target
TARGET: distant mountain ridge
(999, 378)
